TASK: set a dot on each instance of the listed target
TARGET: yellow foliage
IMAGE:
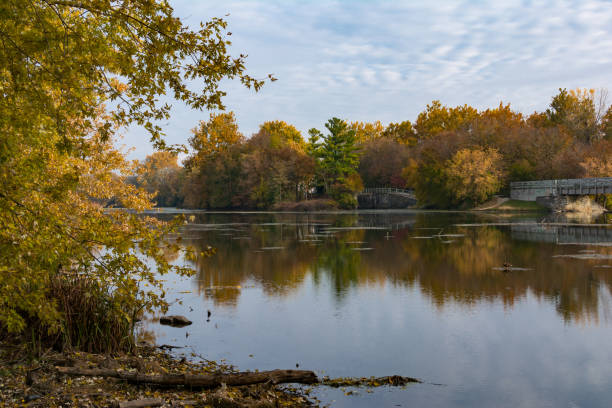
(365, 132)
(474, 174)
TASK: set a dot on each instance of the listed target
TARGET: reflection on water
(446, 262)
(390, 292)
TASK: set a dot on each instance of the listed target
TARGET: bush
(92, 320)
(474, 175)
(321, 204)
(346, 201)
(605, 200)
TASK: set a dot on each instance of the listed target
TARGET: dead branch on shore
(238, 379)
(199, 380)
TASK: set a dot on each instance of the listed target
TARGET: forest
(453, 157)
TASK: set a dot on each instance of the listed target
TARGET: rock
(177, 321)
(32, 397)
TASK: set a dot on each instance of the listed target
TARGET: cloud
(383, 60)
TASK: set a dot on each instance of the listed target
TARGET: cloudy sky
(373, 60)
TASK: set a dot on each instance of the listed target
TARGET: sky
(368, 60)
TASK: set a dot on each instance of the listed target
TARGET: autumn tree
(274, 173)
(283, 134)
(60, 62)
(581, 112)
(160, 174)
(365, 132)
(473, 175)
(213, 168)
(402, 132)
(426, 171)
(597, 162)
(606, 125)
(382, 161)
(437, 118)
(213, 137)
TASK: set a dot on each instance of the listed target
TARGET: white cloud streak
(385, 60)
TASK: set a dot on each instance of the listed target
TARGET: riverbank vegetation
(73, 275)
(453, 157)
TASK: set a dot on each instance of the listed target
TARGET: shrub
(92, 319)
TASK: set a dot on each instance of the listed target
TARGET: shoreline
(38, 382)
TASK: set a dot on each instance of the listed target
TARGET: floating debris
(272, 248)
(585, 256)
(362, 249)
(510, 268)
(393, 380)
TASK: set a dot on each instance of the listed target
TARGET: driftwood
(142, 403)
(199, 380)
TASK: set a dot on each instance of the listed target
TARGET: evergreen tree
(337, 160)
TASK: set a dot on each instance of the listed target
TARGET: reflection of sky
(385, 60)
(485, 351)
(486, 355)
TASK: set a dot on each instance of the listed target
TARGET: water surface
(416, 294)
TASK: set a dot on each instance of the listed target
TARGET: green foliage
(60, 62)
(336, 154)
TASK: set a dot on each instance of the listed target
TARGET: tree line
(451, 156)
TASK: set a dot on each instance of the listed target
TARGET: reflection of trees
(463, 271)
(460, 271)
(340, 262)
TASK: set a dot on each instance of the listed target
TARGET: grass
(517, 205)
(92, 320)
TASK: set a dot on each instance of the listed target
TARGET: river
(420, 294)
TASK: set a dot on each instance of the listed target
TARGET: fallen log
(142, 403)
(199, 380)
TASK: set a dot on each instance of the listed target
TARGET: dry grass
(91, 321)
(321, 204)
(586, 206)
